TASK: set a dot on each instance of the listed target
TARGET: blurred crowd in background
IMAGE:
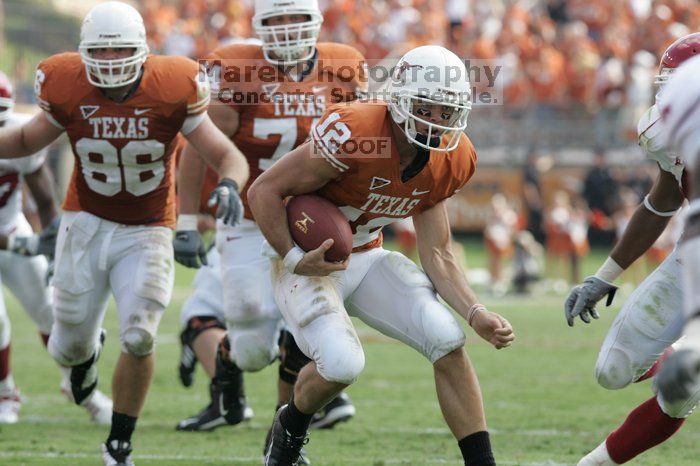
(594, 53)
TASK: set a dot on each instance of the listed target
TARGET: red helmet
(7, 97)
(677, 53)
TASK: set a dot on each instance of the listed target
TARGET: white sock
(65, 374)
(598, 457)
(7, 385)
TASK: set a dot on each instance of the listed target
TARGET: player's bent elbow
(254, 193)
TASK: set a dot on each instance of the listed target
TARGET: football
(313, 219)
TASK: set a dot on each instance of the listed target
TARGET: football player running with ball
(427, 159)
(679, 377)
(651, 319)
(303, 77)
(122, 110)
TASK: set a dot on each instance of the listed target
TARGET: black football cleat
(339, 409)
(283, 448)
(303, 457)
(117, 453)
(210, 417)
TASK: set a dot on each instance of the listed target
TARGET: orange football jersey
(124, 167)
(276, 112)
(357, 140)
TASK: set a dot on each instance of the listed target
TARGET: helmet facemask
(288, 43)
(406, 110)
(113, 25)
(113, 73)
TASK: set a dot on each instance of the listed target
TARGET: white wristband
(10, 241)
(292, 258)
(651, 209)
(186, 222)
(609, 271)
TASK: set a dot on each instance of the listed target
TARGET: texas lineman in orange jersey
(266, 97)
(379, 162)
(121, 110)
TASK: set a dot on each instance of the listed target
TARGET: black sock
(123, 426)
(296, 422)
(476, 449)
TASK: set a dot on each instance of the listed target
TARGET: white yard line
(59, 420)
(251, 459)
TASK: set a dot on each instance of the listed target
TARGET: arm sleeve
(42, 91)
(333, 130)
(31, 163)
(197, 102)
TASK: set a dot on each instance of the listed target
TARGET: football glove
(584, 297)
(189, 249)
(34, 245)
(23, 245)
(226, 197)
(47, 238)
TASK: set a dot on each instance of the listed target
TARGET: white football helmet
(430, 75)
(679, 105)
(290, 43)
(113, 25)
(7, 97)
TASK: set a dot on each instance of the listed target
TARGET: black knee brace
(291, 358)
(197, 325)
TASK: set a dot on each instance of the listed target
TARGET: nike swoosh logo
(418, 193)
(231, 238)
(141, 111)
(316, 89)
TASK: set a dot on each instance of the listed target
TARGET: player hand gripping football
(491, 327)
(314, 263)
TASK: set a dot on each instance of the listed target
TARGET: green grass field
(542, 403)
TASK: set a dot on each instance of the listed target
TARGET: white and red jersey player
(679, 378)
(380, 162)
(25, 277)
(652, 318)
(278, 117)
(121, 110)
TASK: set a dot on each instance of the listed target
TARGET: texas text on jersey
(123, 151)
